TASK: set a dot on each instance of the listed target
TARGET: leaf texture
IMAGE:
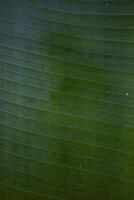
(67, 99)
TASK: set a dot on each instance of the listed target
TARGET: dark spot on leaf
(107, 55)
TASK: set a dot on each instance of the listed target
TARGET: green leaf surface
(67, 99)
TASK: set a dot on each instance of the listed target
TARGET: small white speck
(127, 94)
(107, 4)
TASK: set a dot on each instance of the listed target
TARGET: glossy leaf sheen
(67, 99)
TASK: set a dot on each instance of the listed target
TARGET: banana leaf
(67, 99)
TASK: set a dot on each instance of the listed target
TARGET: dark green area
(67, 99)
